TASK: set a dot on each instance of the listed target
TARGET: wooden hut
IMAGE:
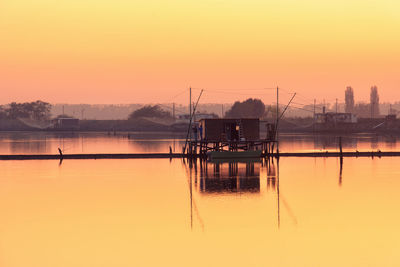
(229, 129)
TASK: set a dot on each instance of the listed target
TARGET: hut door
(231, 131)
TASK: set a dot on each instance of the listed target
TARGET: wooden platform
(234, 154)
(200, 148)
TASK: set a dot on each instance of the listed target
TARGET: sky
(142, 51)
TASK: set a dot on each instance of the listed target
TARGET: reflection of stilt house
(271, 176)
(231, 177)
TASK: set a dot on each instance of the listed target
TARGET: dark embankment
(287, 125)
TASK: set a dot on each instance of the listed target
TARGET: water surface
(140, 212)
(152, 142)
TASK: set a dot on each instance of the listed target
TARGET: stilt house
(229, 129)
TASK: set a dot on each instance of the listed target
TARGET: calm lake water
(48, 143)
(140, 212)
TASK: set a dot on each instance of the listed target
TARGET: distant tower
(374, 102)
(349, 99)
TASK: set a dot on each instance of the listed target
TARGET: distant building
(230, 129)
(183, 117)
(65, 123)
(334, 118)
(391, 121)
(202, 116)
(268, 130)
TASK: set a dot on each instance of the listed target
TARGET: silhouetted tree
(150, 112)
(349, 99)
(3, 113)
(270, 112)
(251, 108)
(37, 110)
(374, 102)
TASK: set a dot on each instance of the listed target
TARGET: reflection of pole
(341, 171)
(277, 184)
(191, 198)
(341, 161)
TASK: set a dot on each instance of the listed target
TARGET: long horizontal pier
(92, 156)
(180, 155)
(338, 154)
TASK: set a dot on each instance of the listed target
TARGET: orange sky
(124, 51)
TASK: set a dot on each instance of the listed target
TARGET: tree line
(362, 109)
(37, 110)
(250, 108)
(41, 111)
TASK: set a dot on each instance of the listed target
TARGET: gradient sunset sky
(135, 51)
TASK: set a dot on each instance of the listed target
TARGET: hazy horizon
(149, 51)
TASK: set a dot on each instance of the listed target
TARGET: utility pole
(222, 110)
(336, 106)
(190, 101)
(173, 110)
(194, 113)
(315, 101)
(277, 118)
(190, 111)
(372, 104)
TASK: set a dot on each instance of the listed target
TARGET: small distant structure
(230, 129)
(183, 117)
(202, 116)
(391, 117)
(391, 121)
(197, 117)
(269, 129)
(64, 123)
(335, 118)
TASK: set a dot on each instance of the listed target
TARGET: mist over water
(161, 212)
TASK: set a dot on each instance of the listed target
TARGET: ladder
(241, 134)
